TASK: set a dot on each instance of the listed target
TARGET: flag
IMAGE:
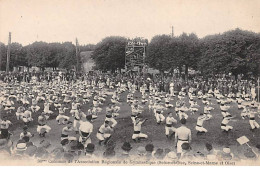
(242, 140)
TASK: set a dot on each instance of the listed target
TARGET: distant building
(87, 61)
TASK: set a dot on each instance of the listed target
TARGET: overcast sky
(92, 20)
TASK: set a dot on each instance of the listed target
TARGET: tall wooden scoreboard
(135, 53)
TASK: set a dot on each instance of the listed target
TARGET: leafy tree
(166, 53)
(67, 57)
(109, 54)
(88, 47)
(235, 52)
(3, 55)
(53, 55)
(37, 54)
(17, 56)
(158, 54)
(188, 52)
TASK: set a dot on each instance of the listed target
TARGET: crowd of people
(40, 76)
(37, 99)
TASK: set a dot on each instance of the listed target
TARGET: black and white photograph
(130, 82)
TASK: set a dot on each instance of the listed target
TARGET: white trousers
(102, 137)
(9, 108)
(69, 138)
(172, 91)
(201, 129)
(168, 105)
(182, 115)
(19, 115)
(27, 119)
(179, 144)
(226, 128)
(140, 135)
(240, 106)
(253, 124)
(168, 129)
(159, 117)
(35, 108)
(57, 105)
(41, 129)
(76, 124)
(73, 111)
(194, 109)
(209, 116)
(62, 118)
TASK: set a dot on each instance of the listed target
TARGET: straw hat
(141, 150)
(226, 150)
(172, 155)
(21, 146)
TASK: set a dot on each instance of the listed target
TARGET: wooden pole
(8, 53)
(77, 56)
(0, 58)
(172, 32)
(258, 80)
(251, 148)
(125, 58)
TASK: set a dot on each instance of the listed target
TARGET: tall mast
(8, 53)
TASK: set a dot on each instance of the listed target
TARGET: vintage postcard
(130, 83)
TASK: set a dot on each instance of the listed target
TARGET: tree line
(41, 54)
(235, 51)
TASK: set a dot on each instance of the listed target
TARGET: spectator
(171, 156)
(225, 154)
(90, 150)
(159, 154)
(182, 135)
(126, 150)
(149, 151)
(210, 152)
(186, 152)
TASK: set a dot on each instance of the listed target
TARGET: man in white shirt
(159, 113)
(253, 124)
(199, 127)
(34, 107)
(66, 133)
(104, 133)
(27, 116)
(85, 130)
(207, 111)
(224, 124)
(211, 154)
(172, 88)
(137, 130)
(26, 135)
(4, 125)
(182, 135)
(169, 126)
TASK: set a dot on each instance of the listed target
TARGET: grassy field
(124, 129)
